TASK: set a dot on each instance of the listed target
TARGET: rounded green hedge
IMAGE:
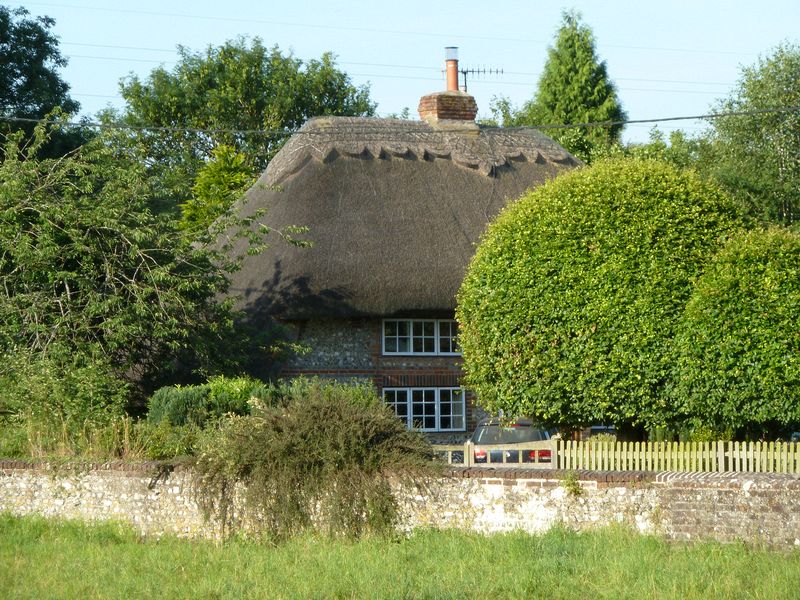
(196, 404)
(738, 344)
(571, 301)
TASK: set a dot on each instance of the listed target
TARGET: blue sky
(667, 58)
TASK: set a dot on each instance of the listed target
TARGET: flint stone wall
(756, 508)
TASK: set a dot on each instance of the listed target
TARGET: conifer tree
(574, 88)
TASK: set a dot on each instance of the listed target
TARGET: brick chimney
(452, 109)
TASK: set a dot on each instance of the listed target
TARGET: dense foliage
(71, 406)
(752, 155)
(569, 307)
(197, 404)
(573, 88)
(219, 183)
(30, 85)
(678, 149)
(89, 275)
(238, 86)
(755, 156)
(60, 387)
(738, 347)
(312, 453)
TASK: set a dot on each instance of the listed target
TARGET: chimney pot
(451, 67)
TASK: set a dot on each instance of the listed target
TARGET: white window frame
(436, 331)
(409, 419)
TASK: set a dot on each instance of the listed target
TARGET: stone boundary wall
(757, 508)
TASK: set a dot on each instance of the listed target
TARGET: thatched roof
(394, 209)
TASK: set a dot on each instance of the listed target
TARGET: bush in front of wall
(312, 454)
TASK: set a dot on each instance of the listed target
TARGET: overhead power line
(363, 64)
(323, 130)
(305, 25)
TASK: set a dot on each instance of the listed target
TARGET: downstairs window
(428, 409)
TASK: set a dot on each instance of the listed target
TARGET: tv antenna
(452, 70)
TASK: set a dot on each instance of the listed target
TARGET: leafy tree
(679, 150)
(239, 86)
(738, 346)
(87, 270)
(219, 183)
(569, 306)
(757, 156)
(30, 86)
(574, 88)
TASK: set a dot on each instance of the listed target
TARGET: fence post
(555, 455)
(468, 457)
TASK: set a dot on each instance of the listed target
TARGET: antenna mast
(452, 70)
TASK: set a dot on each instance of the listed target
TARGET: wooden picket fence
(746, 457)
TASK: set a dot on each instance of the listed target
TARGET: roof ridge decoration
(327, 138)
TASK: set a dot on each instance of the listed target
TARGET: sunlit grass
(56, 559)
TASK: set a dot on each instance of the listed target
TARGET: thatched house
(394, 209)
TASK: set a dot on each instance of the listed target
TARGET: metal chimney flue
(451, 67)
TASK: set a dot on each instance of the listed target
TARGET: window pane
(398, 400)
(447, 336)
(451, 409)
(390, 328)
(402, 345)
(458, 406)
(391, 344)
(424, 336)
(402, 328)
(457, 422)
(445, 422)
(423, 408)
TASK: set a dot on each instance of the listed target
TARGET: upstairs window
(429, 337)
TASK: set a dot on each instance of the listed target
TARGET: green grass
(56, 559)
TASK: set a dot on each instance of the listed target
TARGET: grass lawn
(55, 559)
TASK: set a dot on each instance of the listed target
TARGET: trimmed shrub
(570, 305)
(738, 345)
(179, 405)
(233, 394)
(314, 454)
(196, 404)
